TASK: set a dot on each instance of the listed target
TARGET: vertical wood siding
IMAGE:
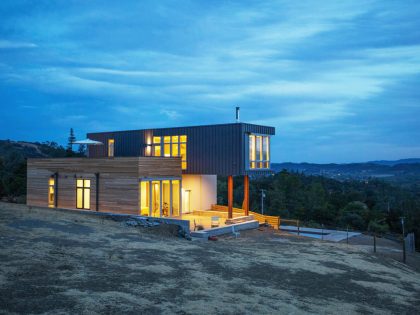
(212, 149)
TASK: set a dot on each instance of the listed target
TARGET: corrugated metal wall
(212, 149)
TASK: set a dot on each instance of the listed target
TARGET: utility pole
(262, 200)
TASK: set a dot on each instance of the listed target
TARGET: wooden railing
(274, 221)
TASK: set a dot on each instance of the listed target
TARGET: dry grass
(56, 263)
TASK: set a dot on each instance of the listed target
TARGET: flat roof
(179, 127)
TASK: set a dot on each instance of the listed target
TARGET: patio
(203, 218)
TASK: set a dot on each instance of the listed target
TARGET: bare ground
(59, 263)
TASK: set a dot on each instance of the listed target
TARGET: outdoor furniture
(236, 234)
(215, 221)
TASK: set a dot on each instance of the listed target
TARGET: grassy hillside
(13, 156)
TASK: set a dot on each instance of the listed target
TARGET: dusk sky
(340, 80)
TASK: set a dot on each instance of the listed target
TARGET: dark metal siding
(212, 149)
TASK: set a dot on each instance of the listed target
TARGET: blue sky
(340, 80)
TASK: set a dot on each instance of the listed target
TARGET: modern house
(165, 172)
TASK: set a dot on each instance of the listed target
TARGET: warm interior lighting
(259, 155)
(175, 198)
(144, 198)
(156, 199)
(166, 198)
(167, 149)
(51, 192)
(83, 193)
(172, 146)
(111, 143)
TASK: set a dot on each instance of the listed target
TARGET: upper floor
(224, 149)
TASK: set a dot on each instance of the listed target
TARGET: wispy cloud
(7, 44)
(310, 69)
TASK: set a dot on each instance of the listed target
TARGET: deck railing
(274, 221)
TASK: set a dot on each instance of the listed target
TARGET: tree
(355, 214)
(71, 140)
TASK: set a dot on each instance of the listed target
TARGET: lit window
(167, 149)
(111, 143)
(156, 144)
(259, 151)
(83, 194)
(172, 146)
(51, 192)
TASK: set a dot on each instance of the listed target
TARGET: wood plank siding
(213, 149)
(118, 180)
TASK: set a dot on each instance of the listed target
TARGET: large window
(171, 146)
(111, 143)
(259, 152)
(83, 194)
(160, 197)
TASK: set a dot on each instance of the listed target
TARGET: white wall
(203, 190)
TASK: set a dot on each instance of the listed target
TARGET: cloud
(6, 44)
(311, 69)
(171, 114)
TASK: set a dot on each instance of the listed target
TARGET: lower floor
(151, 186)
(162, 196)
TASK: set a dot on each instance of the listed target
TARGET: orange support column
(230, 196)
(246, 195)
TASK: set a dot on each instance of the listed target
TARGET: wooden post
(246, 194)
(230, 196)
(374, 242)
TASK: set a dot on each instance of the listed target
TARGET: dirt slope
(54, 263)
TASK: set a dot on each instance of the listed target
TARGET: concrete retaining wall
(226, 229)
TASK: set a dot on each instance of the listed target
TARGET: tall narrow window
(166, 198)
(252, 155)
(259, 152)
(183, 144)
(167, 146)
(175, 198)
(156, 197)
(83, 194)
(111, 143)
(51, 192)
(145, 198)
(156, 144)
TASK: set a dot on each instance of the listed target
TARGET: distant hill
(392, 163)
(405, 172)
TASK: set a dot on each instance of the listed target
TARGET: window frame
(111, 141)
(85, 190)
(253, 161)
(165, 141)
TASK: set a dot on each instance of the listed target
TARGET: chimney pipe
(237, 113)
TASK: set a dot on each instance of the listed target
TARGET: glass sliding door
(156, 199)
(166, 198)
(160, 197)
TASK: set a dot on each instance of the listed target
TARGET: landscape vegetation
(369, 204)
